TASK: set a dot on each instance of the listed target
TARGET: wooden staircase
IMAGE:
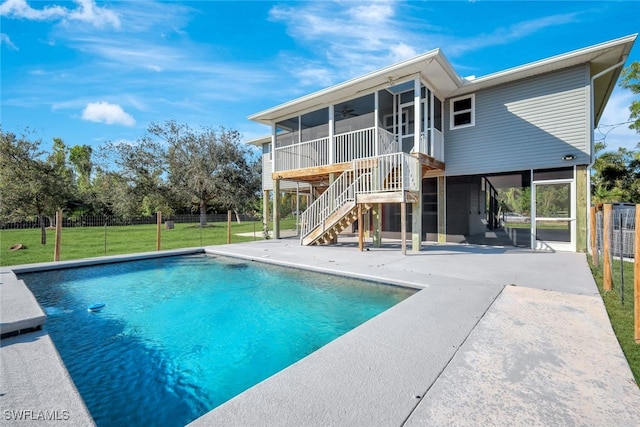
(335, 224)
(390, 178)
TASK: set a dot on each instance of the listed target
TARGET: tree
(139, 177)
(616, 174)
(29, 185)
(80, 159)
(238, 182)
(631, 80)
(207, 166)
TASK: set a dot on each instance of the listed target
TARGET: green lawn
(621, 315)
(86, 242)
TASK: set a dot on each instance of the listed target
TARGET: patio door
(553, 222)
(407, 127)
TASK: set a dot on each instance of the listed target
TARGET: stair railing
(386, 173)
(389, 173)
(339, 192)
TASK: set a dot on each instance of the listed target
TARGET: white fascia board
(258, 142)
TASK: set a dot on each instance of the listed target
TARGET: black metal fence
(103, 220)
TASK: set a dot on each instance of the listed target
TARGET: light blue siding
(267, 182)
(528, 124)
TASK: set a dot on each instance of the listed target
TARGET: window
(463, 112)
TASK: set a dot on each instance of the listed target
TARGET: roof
(434, 67)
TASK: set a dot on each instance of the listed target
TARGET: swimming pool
(181, 335)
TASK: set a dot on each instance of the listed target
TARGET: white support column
(532, 210)
(332, 144)
(297, 209)
(299, 141)
(396, 127)
(376, 125)
(416, 114)
(416, 214)
(273, 147)
(431, 130)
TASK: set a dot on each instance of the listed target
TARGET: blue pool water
(179, 336)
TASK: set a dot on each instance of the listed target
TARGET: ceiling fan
(347, 112)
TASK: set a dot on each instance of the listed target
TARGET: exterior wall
(527, 124)
(267, 181)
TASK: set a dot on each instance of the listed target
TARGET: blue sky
(91, 71)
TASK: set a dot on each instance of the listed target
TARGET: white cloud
(20, 9)
(104, 112)
(506, 35)
(86, 11)
(401, 51)
(4, 39)
(349, 38)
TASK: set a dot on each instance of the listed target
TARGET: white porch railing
(387, 173)
(348, 146)
(303, 155)
(397, 172)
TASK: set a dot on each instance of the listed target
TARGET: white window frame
(453, 114)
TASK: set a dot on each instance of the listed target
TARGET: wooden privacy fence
(615, 239)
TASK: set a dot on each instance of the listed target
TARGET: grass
(621, 315)
(87, 242)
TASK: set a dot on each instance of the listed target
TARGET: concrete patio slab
(538, 358)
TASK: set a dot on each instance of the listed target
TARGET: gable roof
(436, 68)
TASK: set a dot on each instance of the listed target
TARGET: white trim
(471, 110)
(417, 107)
(561, 246)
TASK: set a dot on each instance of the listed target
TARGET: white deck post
(416, 207)
(416, 114)
(273, 147)
(376, 125)
(416, 214)
(332, 143)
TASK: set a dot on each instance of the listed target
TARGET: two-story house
(414, 150)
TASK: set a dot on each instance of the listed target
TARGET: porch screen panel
(353, 126)
(287, 136)
(314, 138)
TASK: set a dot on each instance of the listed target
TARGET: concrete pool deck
(467, 349)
